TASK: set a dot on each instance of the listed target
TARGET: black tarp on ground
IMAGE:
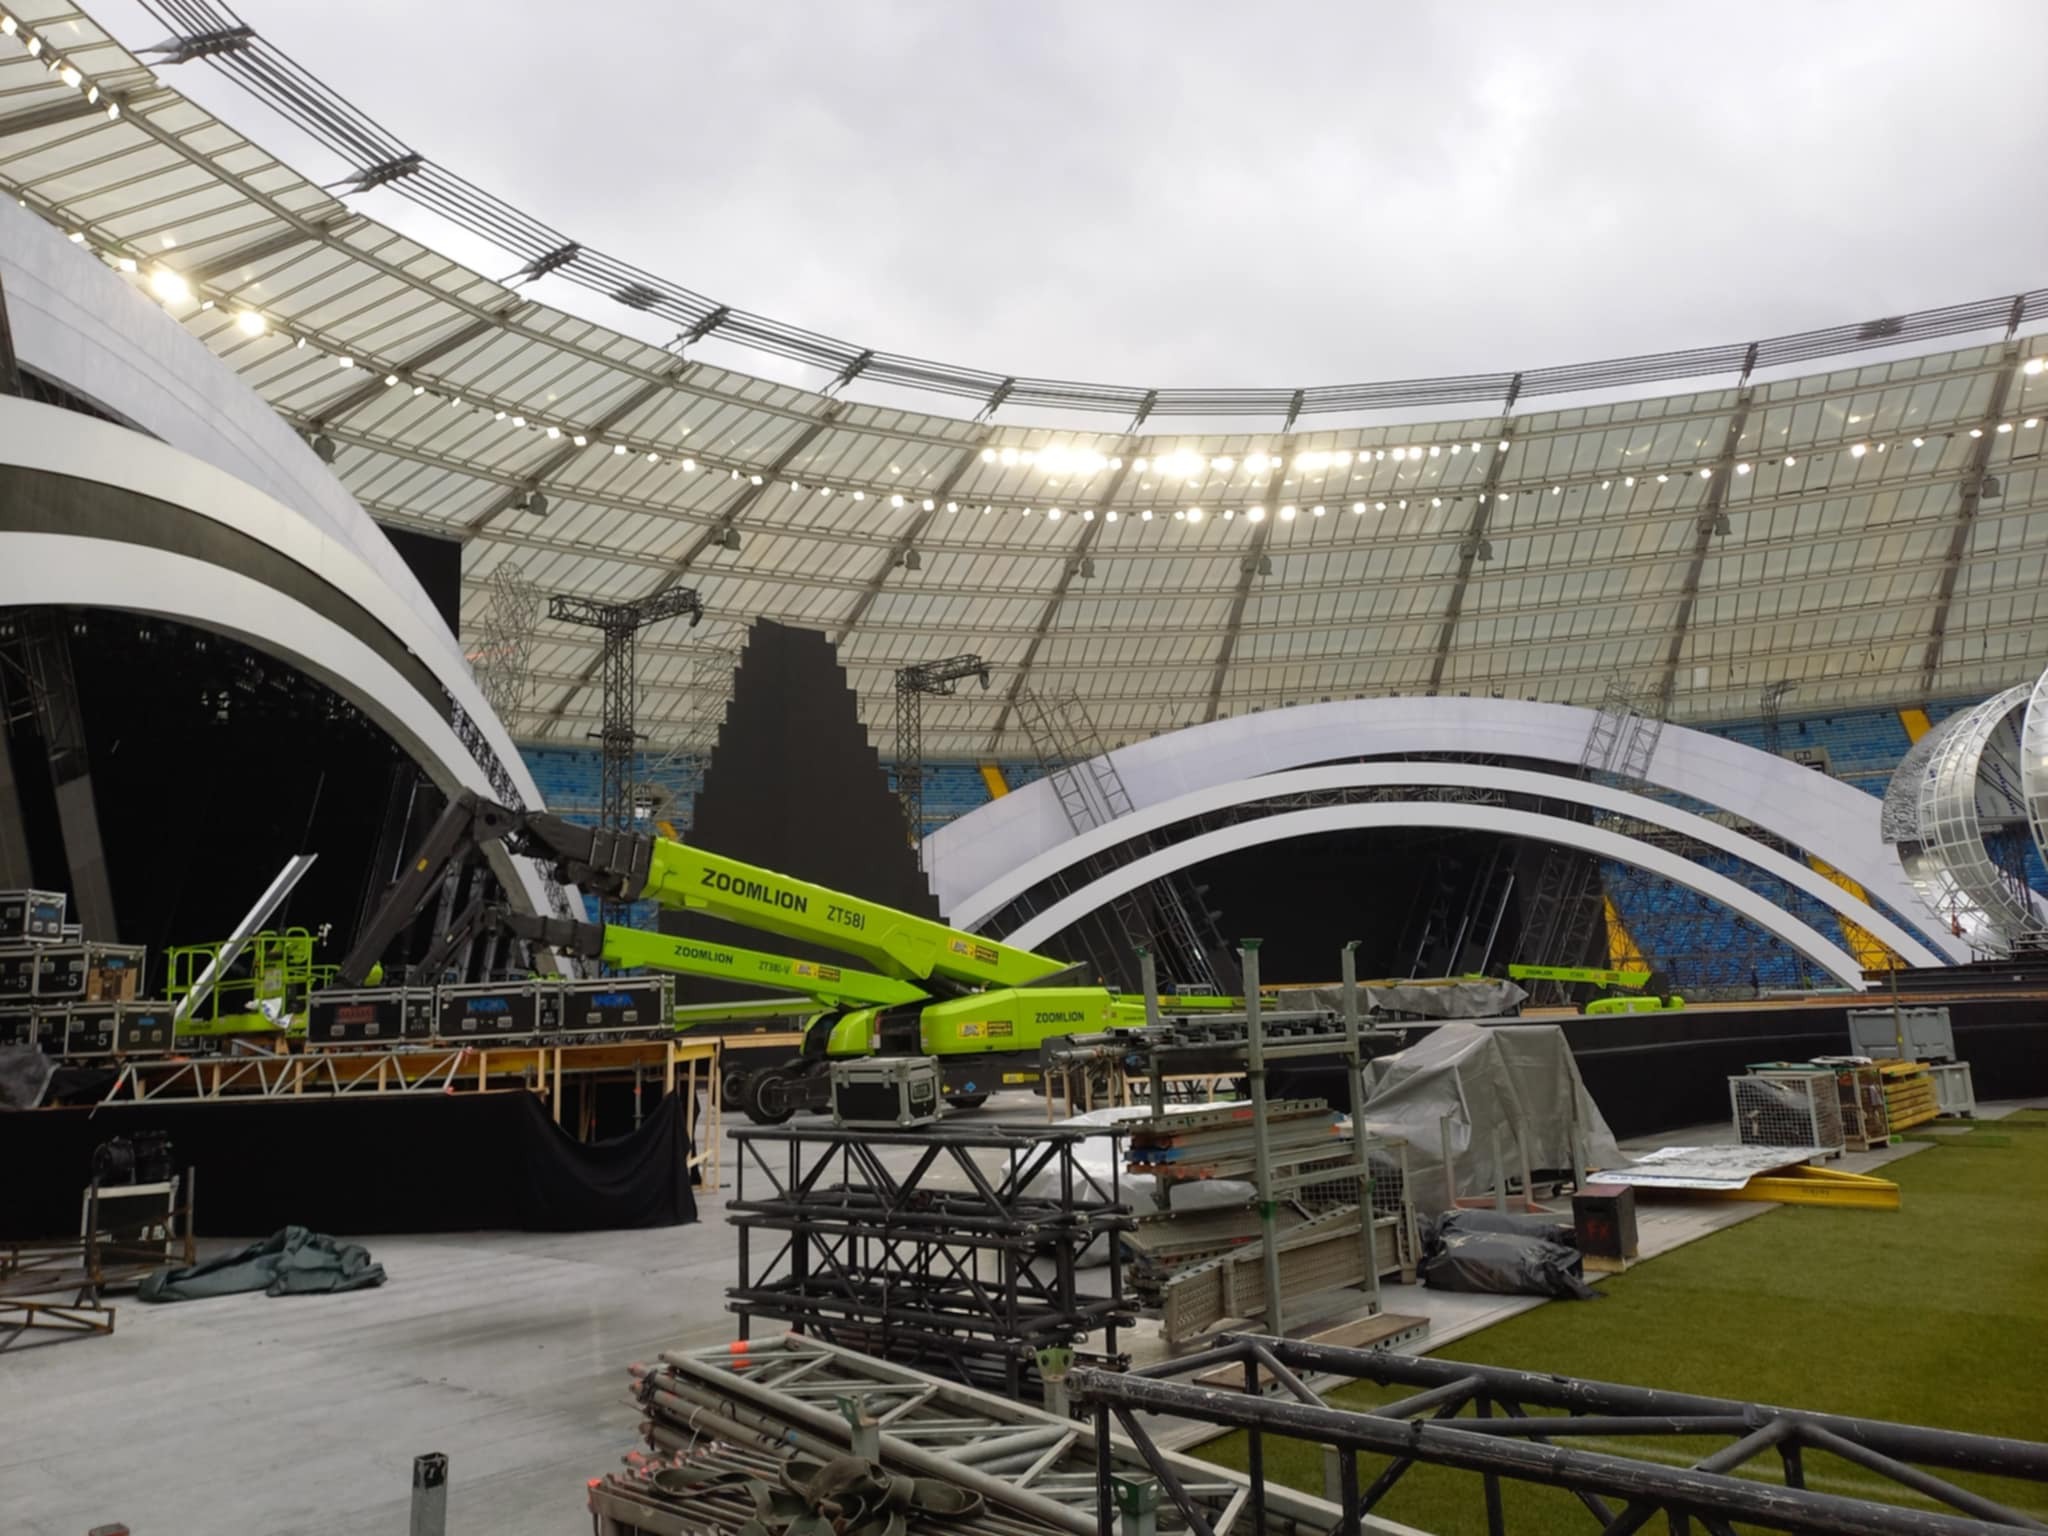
(440, 1163)
(293, 1262)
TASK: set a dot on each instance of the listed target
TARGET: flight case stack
(492, 1013)
(71, 996)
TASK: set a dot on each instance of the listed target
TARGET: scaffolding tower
(913, 685)
(1569, 904)
(502, 660)
(1169, 917)
(618, 739)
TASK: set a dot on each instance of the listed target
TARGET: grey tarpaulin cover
(294, 1262)
(1519, 1078)
(1556, 1228)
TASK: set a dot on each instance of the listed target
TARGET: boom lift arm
(831, 986)
(632, 866)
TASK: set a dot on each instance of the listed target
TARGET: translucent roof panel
(1874, 531)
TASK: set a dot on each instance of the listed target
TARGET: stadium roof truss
(1872, 534)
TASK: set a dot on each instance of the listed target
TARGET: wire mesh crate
(1786, 1109)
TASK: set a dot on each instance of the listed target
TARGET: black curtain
(363, 1167)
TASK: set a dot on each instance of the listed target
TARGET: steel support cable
(274, 78)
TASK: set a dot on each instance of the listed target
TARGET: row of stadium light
(56, 64)
(173, 289)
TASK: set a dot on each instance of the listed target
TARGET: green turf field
(1934, 1314)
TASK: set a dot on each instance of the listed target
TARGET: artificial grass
(1932, 1314)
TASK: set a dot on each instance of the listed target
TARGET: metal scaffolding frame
(1168, 917)
(1568, 904)
(502, 659)
(955, 1261)
(1425, 1426)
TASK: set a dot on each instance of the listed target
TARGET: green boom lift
(982, 1008)
(1630, 990)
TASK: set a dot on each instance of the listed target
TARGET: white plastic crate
(1786, 1109)
(1953, 1090)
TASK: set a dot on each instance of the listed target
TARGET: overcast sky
(1194, 193)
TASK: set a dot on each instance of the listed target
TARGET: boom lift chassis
(980, 1005)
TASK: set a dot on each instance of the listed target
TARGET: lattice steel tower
(912, 685)
(620, 624)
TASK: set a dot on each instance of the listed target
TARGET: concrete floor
(506, 1351)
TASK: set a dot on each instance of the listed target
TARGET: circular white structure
(2034, 763)
(1971, 786)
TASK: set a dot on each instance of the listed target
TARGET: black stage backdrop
(364, 1167)
(437, 562)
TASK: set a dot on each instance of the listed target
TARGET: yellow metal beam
(1623, 953)
(1916, 723)
(1811, 1185)
(992, 776)
(1871, 952)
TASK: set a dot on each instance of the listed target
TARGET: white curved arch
(1824, 817)
(979, 907)
(77, 321)
(97, 573)
(1465, 818)
(58, 568)
(61, 442)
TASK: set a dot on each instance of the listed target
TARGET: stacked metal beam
(1037, 1471)
(1215, 1141)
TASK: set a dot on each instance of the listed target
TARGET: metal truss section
(1971, 805)
(619, 738)
(1029, 1463)
(939, 679)
(965, 1260)
(283, 1075)
(1521, 1425)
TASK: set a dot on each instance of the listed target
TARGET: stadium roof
(1873, 534)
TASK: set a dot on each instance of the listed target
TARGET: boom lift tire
(732, 1085)
(753, 1096)
(967, 1100)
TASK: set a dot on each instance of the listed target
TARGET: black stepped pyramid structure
(794, 785)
